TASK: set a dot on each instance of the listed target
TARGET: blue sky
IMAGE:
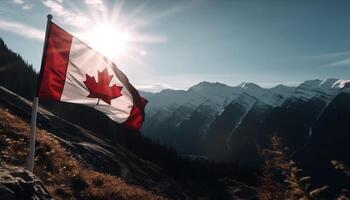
(177, 44)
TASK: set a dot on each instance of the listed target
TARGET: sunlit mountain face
(224, 122)
(213, 121)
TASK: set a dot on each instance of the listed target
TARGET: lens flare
(108, 40)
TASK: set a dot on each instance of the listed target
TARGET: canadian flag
(74, 72)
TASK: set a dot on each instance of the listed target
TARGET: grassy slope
(63, 175)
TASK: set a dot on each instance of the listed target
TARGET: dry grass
(60, 171)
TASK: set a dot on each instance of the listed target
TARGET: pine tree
(269, 189)
(296, 186)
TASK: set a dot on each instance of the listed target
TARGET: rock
(18, 183)
(239, 190)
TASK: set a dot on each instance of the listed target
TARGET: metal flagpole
(35, 105)
(32, 135)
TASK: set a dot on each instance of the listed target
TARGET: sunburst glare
(117, 35)
(109, 40)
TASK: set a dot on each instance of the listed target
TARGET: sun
(109, 40)
(123, 37)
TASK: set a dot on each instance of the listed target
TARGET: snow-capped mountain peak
(277, 95)
(205, 85)
(325, 89)
(341, 84)
(252, 89)
(246, 85)
(219, 95)
(328, 83)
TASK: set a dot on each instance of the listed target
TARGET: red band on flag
(56, 58)
(137, 114)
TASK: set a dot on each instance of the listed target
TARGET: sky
(175, 44)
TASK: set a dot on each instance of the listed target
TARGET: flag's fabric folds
(74, 72)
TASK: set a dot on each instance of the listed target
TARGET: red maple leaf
(101, 89)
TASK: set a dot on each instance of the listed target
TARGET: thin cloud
(68, 17)
(177, 9)
(332, 55)
(155, 87)
(2, 11)
(344, 62)
(24, 5)
(96, 4)
(334, 59)
(22, 29)
(20, 2)
(27, 7)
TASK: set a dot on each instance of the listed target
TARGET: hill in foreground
(63, 173)
(73, 162)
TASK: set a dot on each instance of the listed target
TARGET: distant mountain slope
(235, 123)
(223, 122)
(329, 140)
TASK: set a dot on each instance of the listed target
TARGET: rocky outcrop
(18, 183)
(239, 190)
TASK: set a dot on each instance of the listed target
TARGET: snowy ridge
(244, 94)
(177, 106)
(220, 94)
(253, 89)
(341, 84)
(326, 89)
(277, 95)
(221, 121)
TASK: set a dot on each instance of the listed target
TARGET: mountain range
(225, 123)
(214, 121)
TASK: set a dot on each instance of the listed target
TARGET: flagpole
(35, 104)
